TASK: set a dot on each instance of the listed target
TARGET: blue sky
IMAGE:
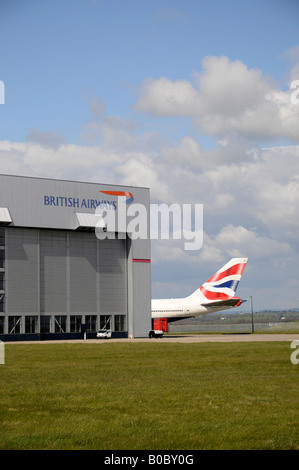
(55, 55)
(189, 98)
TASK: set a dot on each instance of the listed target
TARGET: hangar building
(63, 273)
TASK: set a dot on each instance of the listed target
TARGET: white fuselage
(186, 307)
(169, 308)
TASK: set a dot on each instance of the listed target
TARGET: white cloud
(187, 153)
(68, 161)
(163, 97)
(228, 97)
(143, 170)
(261, 187)
(231, 241)
(227, 88)
(238, 241)
(111, 132)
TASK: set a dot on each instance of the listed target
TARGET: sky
(189, 98)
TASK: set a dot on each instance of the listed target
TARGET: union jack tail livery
(218, 293)
(223, 285)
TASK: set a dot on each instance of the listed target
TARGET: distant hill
(264, 316)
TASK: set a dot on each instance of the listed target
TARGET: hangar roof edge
(75, 181)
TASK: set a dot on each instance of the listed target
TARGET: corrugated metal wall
(113, 275)
(83, 272)
(53, 280)
(66, 272)
(141, 278)
(21, 271)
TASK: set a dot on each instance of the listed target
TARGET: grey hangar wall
(57, 279)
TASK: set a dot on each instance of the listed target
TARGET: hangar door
(95, 272)
(113, 276)
(66, 276)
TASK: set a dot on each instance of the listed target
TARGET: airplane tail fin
(223, 285)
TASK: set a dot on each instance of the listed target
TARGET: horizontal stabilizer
(234, 302)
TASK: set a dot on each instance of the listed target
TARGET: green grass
(151, 396)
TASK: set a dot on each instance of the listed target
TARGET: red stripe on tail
(214, 295)
(236, 269)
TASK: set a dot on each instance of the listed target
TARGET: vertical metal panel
(83, 268)
(141, 298)
(22, 270)
(53, 271)
(113, 276)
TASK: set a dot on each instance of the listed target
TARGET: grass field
(150, 396)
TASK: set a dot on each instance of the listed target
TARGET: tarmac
(188, 338)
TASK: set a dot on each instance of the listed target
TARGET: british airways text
(63, 201)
